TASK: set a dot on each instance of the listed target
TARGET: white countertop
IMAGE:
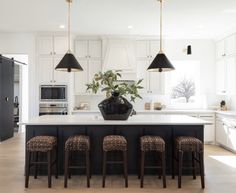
(98, 120)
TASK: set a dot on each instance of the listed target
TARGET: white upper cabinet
(88, 48)
(147, 48)
(89, 54)
(45, 45)
(221, 77)
(146, 51)
(50, 50)
(52, 45)
(226, 47)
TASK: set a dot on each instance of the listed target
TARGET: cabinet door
(142, 73)
(154, 47)
(60, 45)
(81, 48)
(59, 77)
(221, 77)
(220, 49)
(45, 65)
(81, 78)
(45, 45)
(94, 49)
(155, 82)
(232, 137)
(230, 63)
(221, 132)
(95, 66)
(230, 45)
(142, 50)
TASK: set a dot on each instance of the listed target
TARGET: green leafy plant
(108, 82)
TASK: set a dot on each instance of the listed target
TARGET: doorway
(21, 104)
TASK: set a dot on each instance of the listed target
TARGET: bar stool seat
(157, 144)
(115, 143)
(77, 143)
(36, 145)
(195, 147)
(41, 143)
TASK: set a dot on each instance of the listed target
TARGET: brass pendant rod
(161, 46)
(69, 10)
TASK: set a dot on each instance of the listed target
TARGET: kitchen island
(64, 126)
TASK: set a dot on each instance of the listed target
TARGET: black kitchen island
(64, 126)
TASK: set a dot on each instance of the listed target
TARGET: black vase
(115, 107)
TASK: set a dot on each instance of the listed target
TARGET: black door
(6, 99)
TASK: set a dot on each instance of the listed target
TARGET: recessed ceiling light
(229, 11)
(62, 26)
(130, 27)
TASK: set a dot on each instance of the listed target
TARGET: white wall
(22, 43)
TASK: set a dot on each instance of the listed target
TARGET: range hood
(120, 55)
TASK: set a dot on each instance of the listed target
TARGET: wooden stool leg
(49, 169)
(104, 168)
(35, 165)
(201, 157)
(142, 168)
(27, 168)
(193, 164)
(180, 160)
(66, 168)
(70, 163)
(88, 168)
(125, 163)
(163, 162)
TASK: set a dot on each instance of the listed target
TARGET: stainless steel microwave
(56, 93)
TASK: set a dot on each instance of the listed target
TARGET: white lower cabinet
(226, 132)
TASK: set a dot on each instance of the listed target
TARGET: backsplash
(204, 102)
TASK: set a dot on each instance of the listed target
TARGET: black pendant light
(160, 62)
(68, 62)
(189, 50)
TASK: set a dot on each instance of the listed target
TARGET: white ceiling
(182, 18)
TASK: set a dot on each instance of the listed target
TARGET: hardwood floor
(220, 169)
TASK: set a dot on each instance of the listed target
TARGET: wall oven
(53, 93)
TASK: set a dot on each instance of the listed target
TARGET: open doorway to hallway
(21, 104)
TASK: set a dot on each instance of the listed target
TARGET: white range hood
(120, 55)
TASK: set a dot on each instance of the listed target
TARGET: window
(183, 84)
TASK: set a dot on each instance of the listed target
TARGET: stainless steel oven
(53, 93)
(53, 109)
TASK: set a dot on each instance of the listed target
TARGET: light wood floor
(220, 169)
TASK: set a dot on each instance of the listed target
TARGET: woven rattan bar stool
(152, 144)
(115, 143)
(36, 145)
(77, 143)
(193, 145)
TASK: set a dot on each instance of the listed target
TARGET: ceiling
(182, 18)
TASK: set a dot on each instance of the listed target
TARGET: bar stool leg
(88, 168)
(125, 168)
(180, 160)
(201, 157)
(66, 168)
(104, 168)
(142, 168)
(35, 165)
(193, 164)
(163, 162)
(49, 169)
(27, 168)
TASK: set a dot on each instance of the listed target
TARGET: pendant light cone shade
(69, 63)
(189, 50)
(160, 62)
